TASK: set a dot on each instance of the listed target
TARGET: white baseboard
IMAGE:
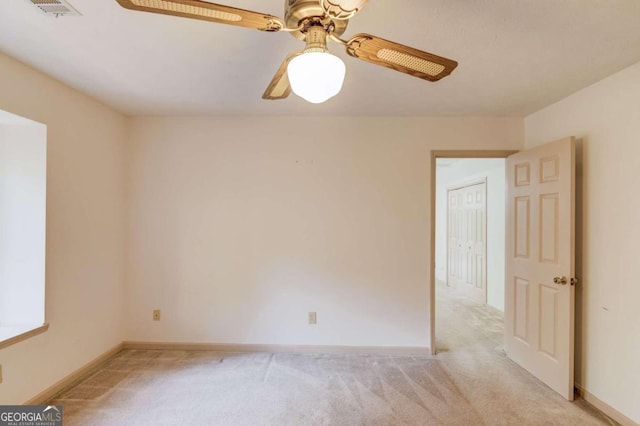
(75, 376)
(604, 407)
(367, 350)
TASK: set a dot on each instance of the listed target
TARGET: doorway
(468, 204)
(538, 327)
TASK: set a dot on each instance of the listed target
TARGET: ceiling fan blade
(342, 9)
(279, 88)
(400, 57)
(206, 11)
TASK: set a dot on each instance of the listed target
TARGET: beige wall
(241, 226)
(85, 230)
(606, 120)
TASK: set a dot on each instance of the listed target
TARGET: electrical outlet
(156, 314)
(313, 318)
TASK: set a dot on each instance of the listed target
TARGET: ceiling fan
(312, 73)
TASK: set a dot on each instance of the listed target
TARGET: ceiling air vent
(55, 7)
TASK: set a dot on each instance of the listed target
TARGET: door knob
(560, 280)
(564, 281)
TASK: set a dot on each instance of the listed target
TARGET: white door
(467, 240)
(539, 287)
(456, 229)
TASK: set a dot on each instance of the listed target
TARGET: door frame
(435, 154)
(461, 185)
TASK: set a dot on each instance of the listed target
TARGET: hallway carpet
(471, 382)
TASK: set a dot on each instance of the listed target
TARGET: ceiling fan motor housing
(299, 11)
(316, 39)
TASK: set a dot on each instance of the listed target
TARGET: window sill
(10, 335)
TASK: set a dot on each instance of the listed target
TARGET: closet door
(467, 235)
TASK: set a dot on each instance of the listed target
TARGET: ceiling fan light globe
(316, 76)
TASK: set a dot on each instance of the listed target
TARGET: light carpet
(470, 382)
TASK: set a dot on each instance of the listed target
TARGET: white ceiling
(515, 56)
